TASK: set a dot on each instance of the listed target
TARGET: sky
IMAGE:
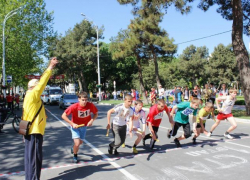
(114, 17)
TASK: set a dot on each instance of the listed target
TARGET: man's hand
(53, 63)
(90, 122)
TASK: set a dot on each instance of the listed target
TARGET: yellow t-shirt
(32, 103)
(203, 114)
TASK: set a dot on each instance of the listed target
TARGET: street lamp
(98, 63)
(9, 15)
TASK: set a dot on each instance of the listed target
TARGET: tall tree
(239, 12)
(222, 66)
(27, 35)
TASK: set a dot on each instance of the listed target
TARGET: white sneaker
(228, 136)
(208, 134)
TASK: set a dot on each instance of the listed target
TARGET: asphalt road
(212, 158)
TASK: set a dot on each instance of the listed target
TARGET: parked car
(67, 99)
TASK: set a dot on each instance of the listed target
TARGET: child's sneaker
(116, 152)
(194, 141)
(169, 134)
(123, 145)
(177, 142)
(228, 136)
(110, 150)
(209, 134)
(75, 160)
(135, 150)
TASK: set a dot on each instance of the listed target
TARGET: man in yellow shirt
(34, 139)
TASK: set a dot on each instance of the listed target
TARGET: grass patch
(240, 114)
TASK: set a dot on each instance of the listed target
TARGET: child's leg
(138, 140)
(152, 142)
(77, 143)
(119, 133)
(173, 132)
(233, 124)
(198, 132)
(217, 122)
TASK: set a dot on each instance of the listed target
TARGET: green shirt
(183, 111)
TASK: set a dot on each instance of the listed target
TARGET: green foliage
(27, 36)
(222, 66)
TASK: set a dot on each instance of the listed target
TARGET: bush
(240, 102)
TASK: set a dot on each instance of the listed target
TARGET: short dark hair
(82, 94)
(138, 102)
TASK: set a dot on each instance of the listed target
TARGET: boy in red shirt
(81, 114)
(154, 120)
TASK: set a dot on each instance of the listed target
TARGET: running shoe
(209, 134)
(169, 134)
(123, 145)
(116, 152)
(135, 150)
(75, 160)
(194, 141)
(228, 136)
(177, 143)
(110, 150)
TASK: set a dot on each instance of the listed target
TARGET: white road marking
(126, 173)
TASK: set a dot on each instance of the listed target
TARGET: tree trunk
(144, 98)
(82, 83)
(157, 77)
(240, 52)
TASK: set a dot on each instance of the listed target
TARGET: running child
(154, 120)
(181, 118)
(119, 127)
(134, 124)
(201, 120)
(81, 119)
(225, 112)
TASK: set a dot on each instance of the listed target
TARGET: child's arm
(152, 131)
(92, 120)
(217, 102)
(173, 111)
(130, 125)
(143, 130)
(213, 114)
(65, 118)
(170, 118)
(108, 116)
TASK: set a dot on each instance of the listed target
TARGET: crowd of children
(130, 119)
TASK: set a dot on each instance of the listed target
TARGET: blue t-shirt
(183, 111)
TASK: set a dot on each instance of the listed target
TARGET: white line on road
(126, 173)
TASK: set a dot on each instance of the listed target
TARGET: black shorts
(186, 129)
(199, 125)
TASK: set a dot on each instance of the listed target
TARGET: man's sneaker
(143, 142)
(194, 141)
(110, 150)
(228, 136)
(135, 150)
(75, 160)
(116, 152)
(177, 142)
(209, 134)
(169, 134)
(123, 145)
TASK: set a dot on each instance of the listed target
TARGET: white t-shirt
(161, 92)
(121, 114)
(138, 117)
(213, 91)
(227, 105)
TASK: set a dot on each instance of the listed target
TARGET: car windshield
(70, 97)
(55, 91)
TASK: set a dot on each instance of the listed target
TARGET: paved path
(211, 158)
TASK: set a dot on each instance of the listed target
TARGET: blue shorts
(79, 133)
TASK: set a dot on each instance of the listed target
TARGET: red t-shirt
(134, 96)
(155, 116)
(9, 98)
(80, 114)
